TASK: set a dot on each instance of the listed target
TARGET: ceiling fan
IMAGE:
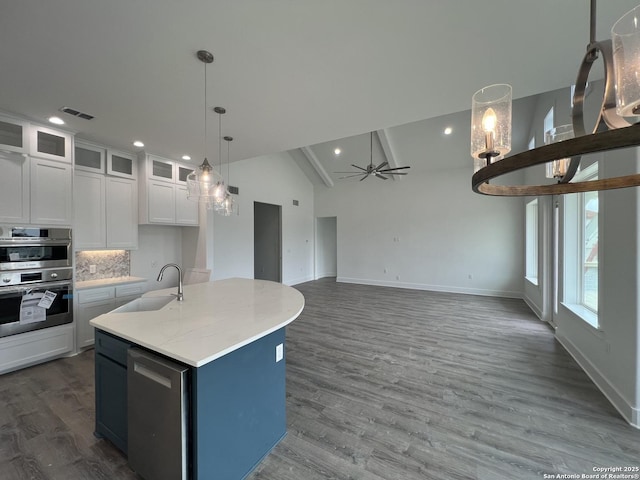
(380, 171)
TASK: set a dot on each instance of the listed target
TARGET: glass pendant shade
(218, 193)
(200, 182)
(228, 206)
(625, 35)
(558, 168)
(490, 124)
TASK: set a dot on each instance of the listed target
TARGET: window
(589, 249)
(581, 250)
(548, 122)
(532, 143)
(531, 241)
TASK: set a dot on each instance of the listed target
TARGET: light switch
(279, 352)
(92, 269)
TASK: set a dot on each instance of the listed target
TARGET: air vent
(296, 203)
(234, 190)
(76, 113)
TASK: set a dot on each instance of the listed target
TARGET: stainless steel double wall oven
(35, 261)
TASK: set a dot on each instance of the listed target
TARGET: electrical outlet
(279, 352)
(92, 269)
(470, 277)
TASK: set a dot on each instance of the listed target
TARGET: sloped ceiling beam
(315, 163)
(390, 156)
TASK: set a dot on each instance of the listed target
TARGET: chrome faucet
(180, 295)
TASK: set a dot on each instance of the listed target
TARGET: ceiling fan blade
(383, 164)
(359, 173)
(395, 173)
(365, 176)
(350, 176)
(395, 168)
(379, 175)
(359, 168)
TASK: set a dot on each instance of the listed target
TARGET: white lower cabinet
(93, 302)
(26, 349)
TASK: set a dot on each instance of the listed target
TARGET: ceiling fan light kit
(491, 122)
(371, 170)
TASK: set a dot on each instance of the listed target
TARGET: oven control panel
(25, 277)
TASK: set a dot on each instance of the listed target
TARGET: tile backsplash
(108, 264)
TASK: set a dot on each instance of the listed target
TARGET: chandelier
(491, 122)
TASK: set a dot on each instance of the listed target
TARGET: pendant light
(228, 206)
(219, 189)
(201, 181)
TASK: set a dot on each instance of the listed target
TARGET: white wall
(326, 247)
(428, 231)
(274, 179)
(610, 354)
(157, 246)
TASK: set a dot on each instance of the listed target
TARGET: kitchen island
(230, 334)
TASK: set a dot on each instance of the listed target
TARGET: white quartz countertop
(108, 282)
(214, 319)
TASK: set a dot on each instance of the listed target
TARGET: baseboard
(296, 281)
(628, 412)
(432, 288)
(325, 275)
(534, 308)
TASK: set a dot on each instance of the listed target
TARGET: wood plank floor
(381, 384)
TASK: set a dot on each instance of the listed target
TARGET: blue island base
(238, 410)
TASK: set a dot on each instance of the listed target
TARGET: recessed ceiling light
(186, 157)
(56, 120)
(448, 130)
(138, 144)
(337, 151)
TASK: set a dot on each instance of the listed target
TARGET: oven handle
(34, 287)
(44, 242)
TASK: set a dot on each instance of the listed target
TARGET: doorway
(326, 247)
(267, 242)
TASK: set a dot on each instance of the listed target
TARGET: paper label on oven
(14, 257)
(30, 312)
(47, 299)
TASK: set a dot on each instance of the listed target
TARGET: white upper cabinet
(50, 144)
(14, 136)
(105, 204)
(89, 157)
(121, 164)
(161, 169)
(163, 192)
(51, 194)
(14, 188)
(122, 213)
(89, 210)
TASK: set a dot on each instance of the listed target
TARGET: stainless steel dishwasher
(158, 414)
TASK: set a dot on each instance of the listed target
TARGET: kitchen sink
(144, 304)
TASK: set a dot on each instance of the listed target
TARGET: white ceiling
(290, 73)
